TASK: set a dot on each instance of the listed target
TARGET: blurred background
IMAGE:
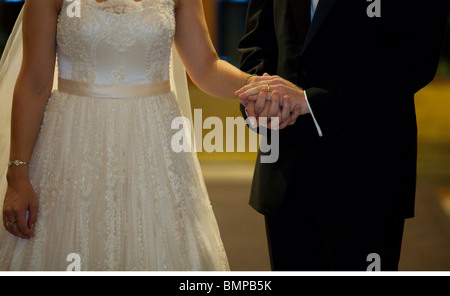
(228, 174)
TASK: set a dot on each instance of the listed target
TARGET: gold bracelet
(249, 76)
(17, 163)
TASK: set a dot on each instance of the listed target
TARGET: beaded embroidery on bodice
(119, 6)
(116, 41)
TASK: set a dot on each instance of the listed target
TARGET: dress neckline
(115, 14)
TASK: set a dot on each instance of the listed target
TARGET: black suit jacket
(360, 74)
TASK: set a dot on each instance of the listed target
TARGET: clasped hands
(277, 100)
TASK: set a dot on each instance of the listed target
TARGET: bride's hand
(20, 198)
(274, 83)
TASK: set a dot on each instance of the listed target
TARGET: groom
(345, 181)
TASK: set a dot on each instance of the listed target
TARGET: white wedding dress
(110, 187)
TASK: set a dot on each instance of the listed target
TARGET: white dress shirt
(313, 7)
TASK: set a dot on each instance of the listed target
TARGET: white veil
(10, 64)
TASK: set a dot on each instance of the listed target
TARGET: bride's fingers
(22, 225)
(8, 217)
(265, 79)
(245, 88)
(252, 98)
(251, 90)
(33, 214)
(14, 230)
(11, 224)
(258, 81)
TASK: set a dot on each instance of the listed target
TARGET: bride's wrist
(250, 79)
(17, 174)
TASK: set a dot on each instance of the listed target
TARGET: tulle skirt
(113, 192)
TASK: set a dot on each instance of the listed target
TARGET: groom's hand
(271, 110)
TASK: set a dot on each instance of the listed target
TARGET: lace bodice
(116, 41)
(119, 6)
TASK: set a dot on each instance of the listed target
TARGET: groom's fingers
(275, 122)
(274, 107)
(261, 101)
(251, 115)
(295, 114)
(285, 113)
(244, 102)
(251, 109)
(264, 118)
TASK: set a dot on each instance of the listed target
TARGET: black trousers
(301, 239)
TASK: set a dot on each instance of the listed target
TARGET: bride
(92, 171)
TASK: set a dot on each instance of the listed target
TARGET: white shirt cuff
(312, 114)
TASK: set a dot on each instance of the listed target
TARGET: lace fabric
(110, 187)
(119, 6)
(121, 48)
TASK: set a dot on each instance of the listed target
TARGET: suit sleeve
(258, 47)
(410, 38)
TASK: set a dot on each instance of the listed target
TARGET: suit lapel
(322, 11)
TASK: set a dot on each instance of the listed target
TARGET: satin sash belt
(89, 89)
